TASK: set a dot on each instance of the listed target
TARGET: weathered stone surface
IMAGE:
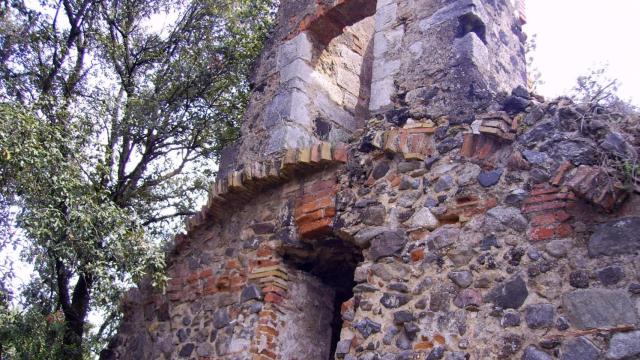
(559, 248)
(186, 350)
(599, 308)
(444, 183)
(251, 292)
(443, 237)
(374, 215)
(363, 237)
(509, 295)
(579, 349)
(624, 346)
(408, 231)
(510, 318)
(468, 299)
(401, 317)
(343, 347)
(533, 353)
(463, 279)
(616, 238)
(386, 244)
(367, 327)
(540, 316)
(509, 217)
(611, 275)
(489, 178)
(423, 218)
(221, 319)
(579, 279)
(380, 170)
(618, 146)
(393, 301)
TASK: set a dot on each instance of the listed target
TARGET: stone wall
(462, 218)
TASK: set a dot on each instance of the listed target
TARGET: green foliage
(31, 335)
(109, 132)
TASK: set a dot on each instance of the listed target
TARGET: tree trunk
(75, 318)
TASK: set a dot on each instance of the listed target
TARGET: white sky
(575, 35)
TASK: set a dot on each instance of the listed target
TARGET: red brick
(273, 289)
(564, 230)
(273, 298)
(543, 219)
(552, 217)
(265, 251)
(544, 206)
(542, 233)
(340, 154)
(417, 254)
(395, 180)
(207, 273)
(268, 330)
(548, 198)
(346, 306)
(423, 345)
(330, 212)
(562, 170)
(543, 189)
(325, 202)
(315, 228)
(193, 277)
(468, 145)
(318, 203)
(312, 197)
(310, 217)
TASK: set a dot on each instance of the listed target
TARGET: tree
(108, 133)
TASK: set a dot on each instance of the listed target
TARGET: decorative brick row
(480, 146)
(414, 141)
(272, 277)
(490, 132)
(240, 186)
(546, 208)
(188, 286)
(498, 124)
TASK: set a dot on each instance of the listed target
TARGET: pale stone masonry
(397, 193)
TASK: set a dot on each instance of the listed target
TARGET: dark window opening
(472, 23)
(333, 261)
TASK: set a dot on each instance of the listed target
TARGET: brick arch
(330, 20)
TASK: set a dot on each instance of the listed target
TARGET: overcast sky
(574, 35)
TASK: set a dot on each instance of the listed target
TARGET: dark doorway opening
(333, 261)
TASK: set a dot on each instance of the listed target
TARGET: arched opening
(325, 71)
(326, 267)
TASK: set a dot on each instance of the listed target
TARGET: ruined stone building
(397, 193)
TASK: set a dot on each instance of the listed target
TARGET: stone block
(617, 237)
(381, 92)
(299, 69)
(599, 308)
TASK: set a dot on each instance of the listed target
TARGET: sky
(575, 35)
